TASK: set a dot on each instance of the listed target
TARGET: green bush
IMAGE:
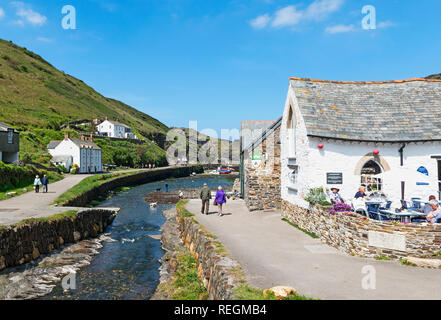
(317, 196)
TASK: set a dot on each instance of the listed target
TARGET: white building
(82, 152)
(115, 129)
(386, 135)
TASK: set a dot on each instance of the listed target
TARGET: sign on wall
(334, 178)
(387, 241)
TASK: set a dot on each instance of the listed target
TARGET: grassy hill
(38, 100)
(34, 93)
(435, 76)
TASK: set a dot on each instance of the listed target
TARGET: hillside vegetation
(435, 76)
(34, 93)
(37, 99)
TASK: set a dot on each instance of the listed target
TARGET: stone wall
(215, 270)
(26, 242)
(366, 238)
(143, 177)
(262, 185)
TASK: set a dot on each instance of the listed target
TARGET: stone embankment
(369, 238)
(38, 278)
(27, 241)
(143, 177)
(219, 273)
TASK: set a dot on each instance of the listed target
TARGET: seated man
(433, 216)
(336, 197)
(427, 208)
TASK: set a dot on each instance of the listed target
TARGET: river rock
(280, 292)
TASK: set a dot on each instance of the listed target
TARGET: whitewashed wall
(343, 157)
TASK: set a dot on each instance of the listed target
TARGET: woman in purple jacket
(221, 199)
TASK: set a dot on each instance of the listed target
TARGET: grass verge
(311, 234)
(59, 216)
(88, 184)
(185, 283)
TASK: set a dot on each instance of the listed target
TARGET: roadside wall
(262, 185)
(366, 238)
(136, 179)
(215, 270)
(24, 243)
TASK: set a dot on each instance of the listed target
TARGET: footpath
(274, 253)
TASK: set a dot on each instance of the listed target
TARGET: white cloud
(260, 22)
(319, 9)
(290, 16)
(2, 13)
(44, 39)
(385, 24)
(341, 28)
(28, 15)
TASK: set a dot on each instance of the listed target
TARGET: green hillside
(35, 94)
(39, 101)
(435, 76)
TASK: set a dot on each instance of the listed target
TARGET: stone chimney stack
(66, 136)
(82, 138)
(91, 138)
(107, 118)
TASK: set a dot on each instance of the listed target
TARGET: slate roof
(387, 111)
(116, 123)
(250, 131)
(267, 127)
(4, 126)
(53, 144)
(85, 143)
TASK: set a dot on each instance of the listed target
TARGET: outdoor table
(405, 216)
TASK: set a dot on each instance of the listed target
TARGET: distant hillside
(35, 94)
(435, 76)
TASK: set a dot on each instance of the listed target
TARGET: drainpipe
(403, 183)
(401, 151)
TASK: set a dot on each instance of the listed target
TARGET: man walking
(205, 197)
(45, 183)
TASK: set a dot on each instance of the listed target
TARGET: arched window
(371, 176)
(291, 126)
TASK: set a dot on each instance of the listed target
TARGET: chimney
(82, 138)
(91, 138)
(66, 136)
(107, 118)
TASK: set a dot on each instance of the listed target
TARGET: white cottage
(114, 129)
(386, 135)
(82, 152)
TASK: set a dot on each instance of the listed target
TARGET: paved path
(36, 205)
(272, 253)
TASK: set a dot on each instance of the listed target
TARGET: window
(10, 137)
(293, 176)
(291, 126)
(371, 176)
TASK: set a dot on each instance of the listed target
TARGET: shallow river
(128, 267)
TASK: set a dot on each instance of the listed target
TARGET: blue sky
(221, 62)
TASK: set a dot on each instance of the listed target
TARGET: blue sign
(423, 170)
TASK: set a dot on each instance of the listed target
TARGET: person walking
(45, 183)
(37, 183)
(166, 187)
(205, 197)
(220, 200)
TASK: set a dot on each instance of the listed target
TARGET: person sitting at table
(427, 208)
(361, 193)
(433, 216)
(336, 197)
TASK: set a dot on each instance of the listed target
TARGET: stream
(127, 267)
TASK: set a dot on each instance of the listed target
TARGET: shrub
(317, 196)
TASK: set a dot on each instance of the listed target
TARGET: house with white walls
(82, 152)
(114, 129)
(9, 144)
(385, 135)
